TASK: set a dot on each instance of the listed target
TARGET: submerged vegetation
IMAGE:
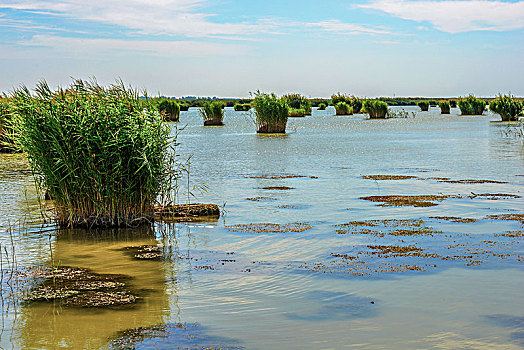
(424, 105)
(508, 107)
(444, 107)
(271, 113)
(101, 153)
(169, 110)
(375, 108)
(213, 113)
(299, 106)
(471, 105)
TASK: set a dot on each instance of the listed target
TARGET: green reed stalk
(445, 107)
(271, 113)
(508, 107)
(376, 108)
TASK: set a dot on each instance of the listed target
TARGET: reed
(453, 103)
(169, 110)
(271, 113)
(376, 108)
(297, 102)
(424, 105)
(212, 113)
(356, 103)
(336, 98)
(343, 108)
(471, 105)
(184, 107)
(322, 107)
(444, 107)
(238, 107)
(104, 155)
(7, 131)
(508, 107)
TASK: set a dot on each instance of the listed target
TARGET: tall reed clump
(453, 103)
(169, 109)
(444, 107)
(7, 132)
(376, 108)
(299, 106)
(239, 107)
(508, 107)
(213, 113)
(471, 105)
(356, 103)
(342, 103)
(322, 106)
(424, 105)
(271, 113)
(104, 155)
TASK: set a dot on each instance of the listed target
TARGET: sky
(229, 48)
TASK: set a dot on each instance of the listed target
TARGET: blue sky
(228, 48)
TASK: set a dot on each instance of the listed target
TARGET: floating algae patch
(279, 176)
(507, 217)
(261, 199)
(276, 188)
(186, 211)
(79, 287)
(407, 201)
(145, 252)
(493, 196)
(454, 219)
(388, 177)
(172, 336)
(270, 228)
(388, 227)
(469, 181)
(335, 306)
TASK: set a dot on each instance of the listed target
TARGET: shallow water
(295, 290)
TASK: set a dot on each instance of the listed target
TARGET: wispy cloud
(335, 26)
(456, 16)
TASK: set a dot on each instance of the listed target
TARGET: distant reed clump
(239, 107)
(322, 106)
(445, 107)
(453, 103)
(356, 103)
(342, 104)
(212, 113)
(508, 107)
(271, 113)
(102, 153)
(376, 108)
(471, 105)
(7, 131)
(299, 106)
(169, 110)
(184, 106)
(424, 105)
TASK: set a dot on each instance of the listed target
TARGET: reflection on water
(241, 288)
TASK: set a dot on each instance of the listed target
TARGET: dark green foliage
(212, 111)
(169, 110)
(297, 102)
(376, 108)
(297, 112)
(322, 106)
(315, 102)
(242, 107)
(271, 113)
(356, 103)
(336, 98)
(343, 108)
(444, 107)
(7, 132)
(184, 106)
(424, 105)
(103, 154)
(433, 103)
(508, 107)
(453, 103)
(471, 105)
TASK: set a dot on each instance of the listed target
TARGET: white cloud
(338, 27)
(94, 48)
(168, 17)
(456, 16)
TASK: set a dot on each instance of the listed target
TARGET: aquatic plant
(471, 105)
(424, 105)
(343, 108)
(212, 113)
(169, 109)
(322, 107)
(238, 107)
(7, 133)
(336, 98)
(507, 106)
(453, 103)
(184, 106)
(297, 102)
(271, 113)
(444, 107)
(375, 108)
(103, 154)
(356, 103)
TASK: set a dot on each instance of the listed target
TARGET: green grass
(343, 108)
(322, 107)
(444, 107)
(103, 154)
(212, 112)
(271, 113)
(375, 108)
(508, 107)
(169, 110)
(471, 105)
(424, 105)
